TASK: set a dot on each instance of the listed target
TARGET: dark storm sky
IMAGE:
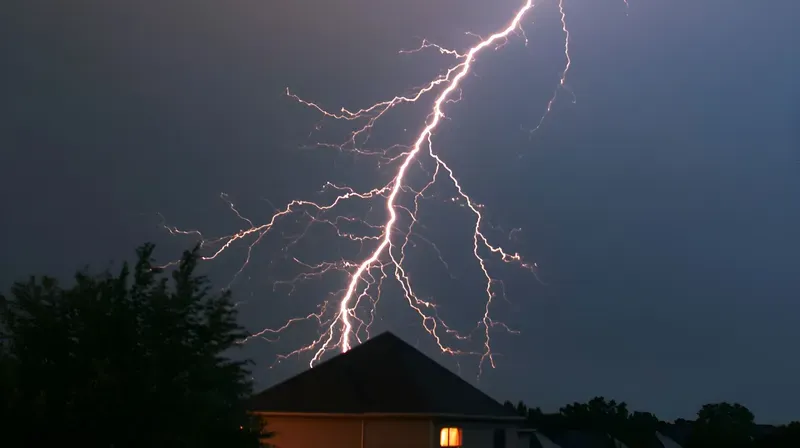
(663, 207)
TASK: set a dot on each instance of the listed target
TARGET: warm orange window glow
(450, 437)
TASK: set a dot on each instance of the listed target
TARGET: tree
(723, 424)
(598, 414)
(717, 424)
(606, 419)
(640, 430)
(531, 414)
(784, 436)
(124, 360)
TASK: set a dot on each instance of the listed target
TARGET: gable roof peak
(384, 375)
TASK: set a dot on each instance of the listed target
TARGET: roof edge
(390, 414)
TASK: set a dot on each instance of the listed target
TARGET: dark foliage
(719, 424)
(785, 436)
(723, 424)
(127, 360)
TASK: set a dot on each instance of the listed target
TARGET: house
(384, 393)
(586, 439)
(531, 438)
(667, 442)
(574, 439)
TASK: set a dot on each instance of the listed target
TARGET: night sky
(663, 207)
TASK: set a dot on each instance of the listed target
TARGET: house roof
(678, 432)
(580, 439)
(384, 375)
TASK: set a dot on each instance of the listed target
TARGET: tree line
(716, 425)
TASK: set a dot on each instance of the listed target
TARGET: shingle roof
(383, 375)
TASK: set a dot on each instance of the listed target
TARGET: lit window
(450, 437)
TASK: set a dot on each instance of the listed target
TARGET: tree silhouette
(598, 415)
(124, 360)
(717, 424)
(723, 424)
(531, 414)
(785, 436)
(639, 430)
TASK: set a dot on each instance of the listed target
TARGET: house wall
(484, 438)
(394, 433)
(479, 434)
(524, 440)
(345, 432)
(299, 432)
(355, 432)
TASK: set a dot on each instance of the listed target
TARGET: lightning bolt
(562, 83)
(346, 316)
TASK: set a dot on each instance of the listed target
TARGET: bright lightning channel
(341, 326)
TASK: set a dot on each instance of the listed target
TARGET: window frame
(446, 439)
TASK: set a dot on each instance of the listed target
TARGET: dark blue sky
(663, 207)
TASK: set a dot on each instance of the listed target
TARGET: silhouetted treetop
(127, 359)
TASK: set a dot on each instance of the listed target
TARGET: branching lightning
(346, 316)
(562, 83)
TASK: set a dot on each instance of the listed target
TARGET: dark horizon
(661, 208)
